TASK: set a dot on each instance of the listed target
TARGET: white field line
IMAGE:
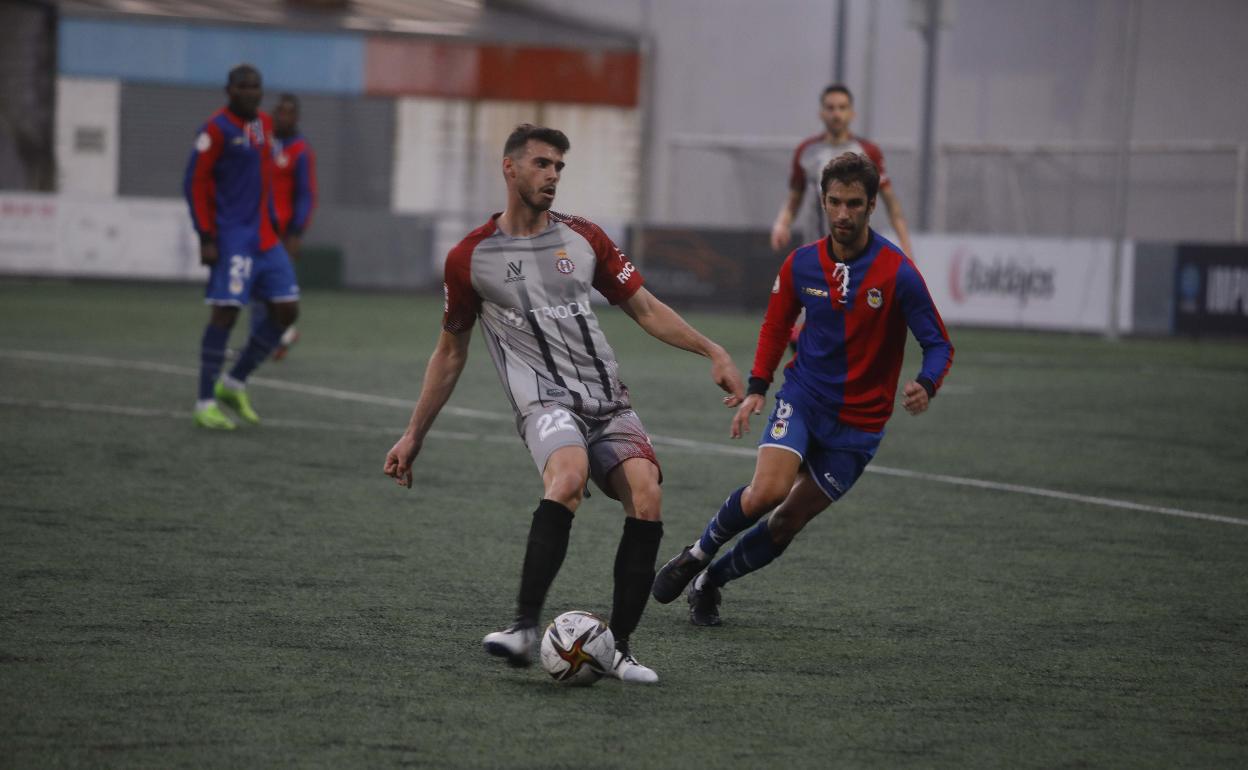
(670, 441)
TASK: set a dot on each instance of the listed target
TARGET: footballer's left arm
(929, 329)
(663, 323)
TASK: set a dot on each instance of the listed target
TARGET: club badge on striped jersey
(875, 298)
(562, 263)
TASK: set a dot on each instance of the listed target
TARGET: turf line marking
(701, 446)
(290, 387)
(136, 411)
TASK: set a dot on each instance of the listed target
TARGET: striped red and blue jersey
(229, 177)
(850, 351)
(294, 184)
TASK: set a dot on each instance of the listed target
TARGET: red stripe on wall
(397, 66)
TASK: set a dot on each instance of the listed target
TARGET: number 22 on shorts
(550, 422)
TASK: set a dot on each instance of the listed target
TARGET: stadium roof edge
(506, 22)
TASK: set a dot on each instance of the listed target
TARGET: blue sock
(211, 357)
(259, 314)
(261, 344)
(752, 552)
(725, 524)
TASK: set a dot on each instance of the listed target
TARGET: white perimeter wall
(87, 136)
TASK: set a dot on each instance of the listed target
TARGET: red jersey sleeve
(201, 184)
(877, 157)
(462, 303)
(614, 276)
(797, 174)
(782, 312)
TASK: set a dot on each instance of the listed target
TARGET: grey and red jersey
(808, 161)
(533, 297)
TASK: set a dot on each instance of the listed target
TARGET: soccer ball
(578, 648)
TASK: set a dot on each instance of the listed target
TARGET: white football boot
(515, 643)
(627, 669)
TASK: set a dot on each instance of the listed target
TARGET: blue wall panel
(192, 54)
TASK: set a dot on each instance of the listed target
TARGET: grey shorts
(608, 442)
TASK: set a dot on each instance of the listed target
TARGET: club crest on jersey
(562, 263)
(515, 272)
(779, 428)
(875, 298)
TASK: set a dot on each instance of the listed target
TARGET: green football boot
(238, 401)
(213, 418)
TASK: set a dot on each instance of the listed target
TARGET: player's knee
(647, 502)
(566, 489)
(286, 313)
(761, 497)
(783, 529)
(223, 316)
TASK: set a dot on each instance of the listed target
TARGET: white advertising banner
(1028, 283)
(144, 238)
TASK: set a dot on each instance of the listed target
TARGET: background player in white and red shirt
(527, 274)
(836, 110)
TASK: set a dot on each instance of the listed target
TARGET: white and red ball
(578, 648)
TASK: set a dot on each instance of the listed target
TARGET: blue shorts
(244, 273)
(833, 453)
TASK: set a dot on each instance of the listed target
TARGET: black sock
(548, 544)
(634, 575)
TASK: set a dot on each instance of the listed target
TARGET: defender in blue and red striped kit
(229, 180)
(860, 294)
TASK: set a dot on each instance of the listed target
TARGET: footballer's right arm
(445, 365)
(782, 228)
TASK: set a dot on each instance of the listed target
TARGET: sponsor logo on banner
(1228, 290)
(1006, 276)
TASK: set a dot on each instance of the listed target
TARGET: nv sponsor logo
(1002, 276)
(515, 272)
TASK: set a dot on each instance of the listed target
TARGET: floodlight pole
(838, 62)
(931, 35)
(1130, 49)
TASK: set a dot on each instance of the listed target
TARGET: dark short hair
(851, 167)
(526, 131)
(240, 72)
(289, 98)
(837, 88)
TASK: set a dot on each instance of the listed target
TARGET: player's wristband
(758, 387)
(928, 385)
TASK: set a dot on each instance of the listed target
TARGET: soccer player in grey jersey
(527, 274)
